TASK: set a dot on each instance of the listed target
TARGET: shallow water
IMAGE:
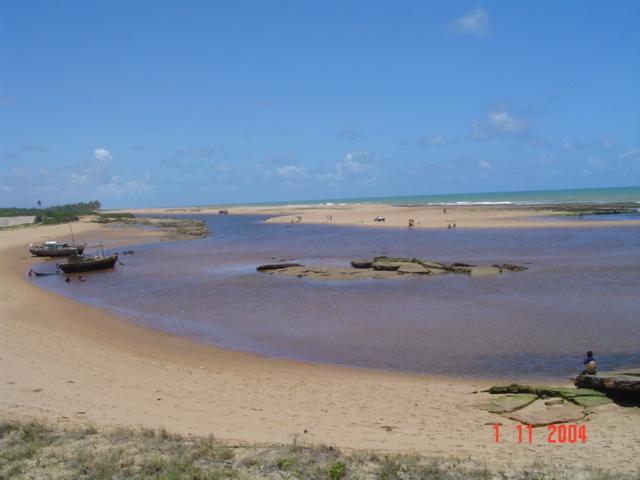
(580, 293)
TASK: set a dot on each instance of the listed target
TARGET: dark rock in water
(393, 259)
(362, 263)
(276, 266)
(389, 266)
(625, 381)
(511, 267)
(462, 265)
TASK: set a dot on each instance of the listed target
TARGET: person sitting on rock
(589, 364)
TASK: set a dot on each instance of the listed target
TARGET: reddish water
(580, 293)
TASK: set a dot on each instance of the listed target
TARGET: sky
(154, 103)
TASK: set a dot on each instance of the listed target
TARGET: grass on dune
(34, 450)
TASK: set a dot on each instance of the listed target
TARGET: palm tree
(39, 203)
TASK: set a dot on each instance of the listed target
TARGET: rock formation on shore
(621, 381)
(543, 405)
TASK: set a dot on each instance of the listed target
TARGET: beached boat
(55, 249)
(88, 263)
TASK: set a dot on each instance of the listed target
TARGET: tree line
(55, 214)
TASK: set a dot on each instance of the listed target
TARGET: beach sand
(486, 216)
(71, 363)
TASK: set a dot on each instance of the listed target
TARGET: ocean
(533, 197)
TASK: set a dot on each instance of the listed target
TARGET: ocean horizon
(525, 197)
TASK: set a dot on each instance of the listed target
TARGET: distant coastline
(618, 195)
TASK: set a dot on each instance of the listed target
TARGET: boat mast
(73, 240)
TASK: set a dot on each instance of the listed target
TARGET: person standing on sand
(589, 364)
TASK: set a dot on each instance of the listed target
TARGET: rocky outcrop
(510, 267)
(413, 268)
(276, 266)
(622, 381)
(586, 397)
(178, 227)
(362, 263)
(385, 267)
(543, 405)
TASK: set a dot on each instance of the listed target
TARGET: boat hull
(58, 252)
(89, 266)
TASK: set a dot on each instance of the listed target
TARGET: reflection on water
(580, 293)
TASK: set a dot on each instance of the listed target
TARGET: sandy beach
(487, 216)
(70, 363)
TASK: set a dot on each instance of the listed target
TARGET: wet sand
(72, 363)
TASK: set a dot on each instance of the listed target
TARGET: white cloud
(633, 153)
(504, 122)
(102, 154)
(484, 165)
(291, 171)
(118, 186)
(431, 141)
(500, 121)
(474, 22)
(354, 165)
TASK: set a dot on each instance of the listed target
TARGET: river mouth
(579, 293)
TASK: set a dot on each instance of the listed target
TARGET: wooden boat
(88, 263)
(55, 249)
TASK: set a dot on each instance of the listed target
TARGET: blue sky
(176, 103)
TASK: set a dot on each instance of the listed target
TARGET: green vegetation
(55, 214)
(31, 449)
(113, 217)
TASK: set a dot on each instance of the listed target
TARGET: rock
(591, 400)
(484, 271)
(538, 414)
(614, 381)
(276, 266)
(431, 264)
(579, 396)
(510, 267)
(393, 259)
(460, 268)
(508, 403)
(554, 401)
(413, 268)
(362, 263)
(389, 266)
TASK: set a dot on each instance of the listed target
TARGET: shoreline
(124, 374)
(429, 217)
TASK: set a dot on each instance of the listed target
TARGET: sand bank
(484, 216)
(73, 363)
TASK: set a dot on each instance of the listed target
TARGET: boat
(55, 249)
(88, 263)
